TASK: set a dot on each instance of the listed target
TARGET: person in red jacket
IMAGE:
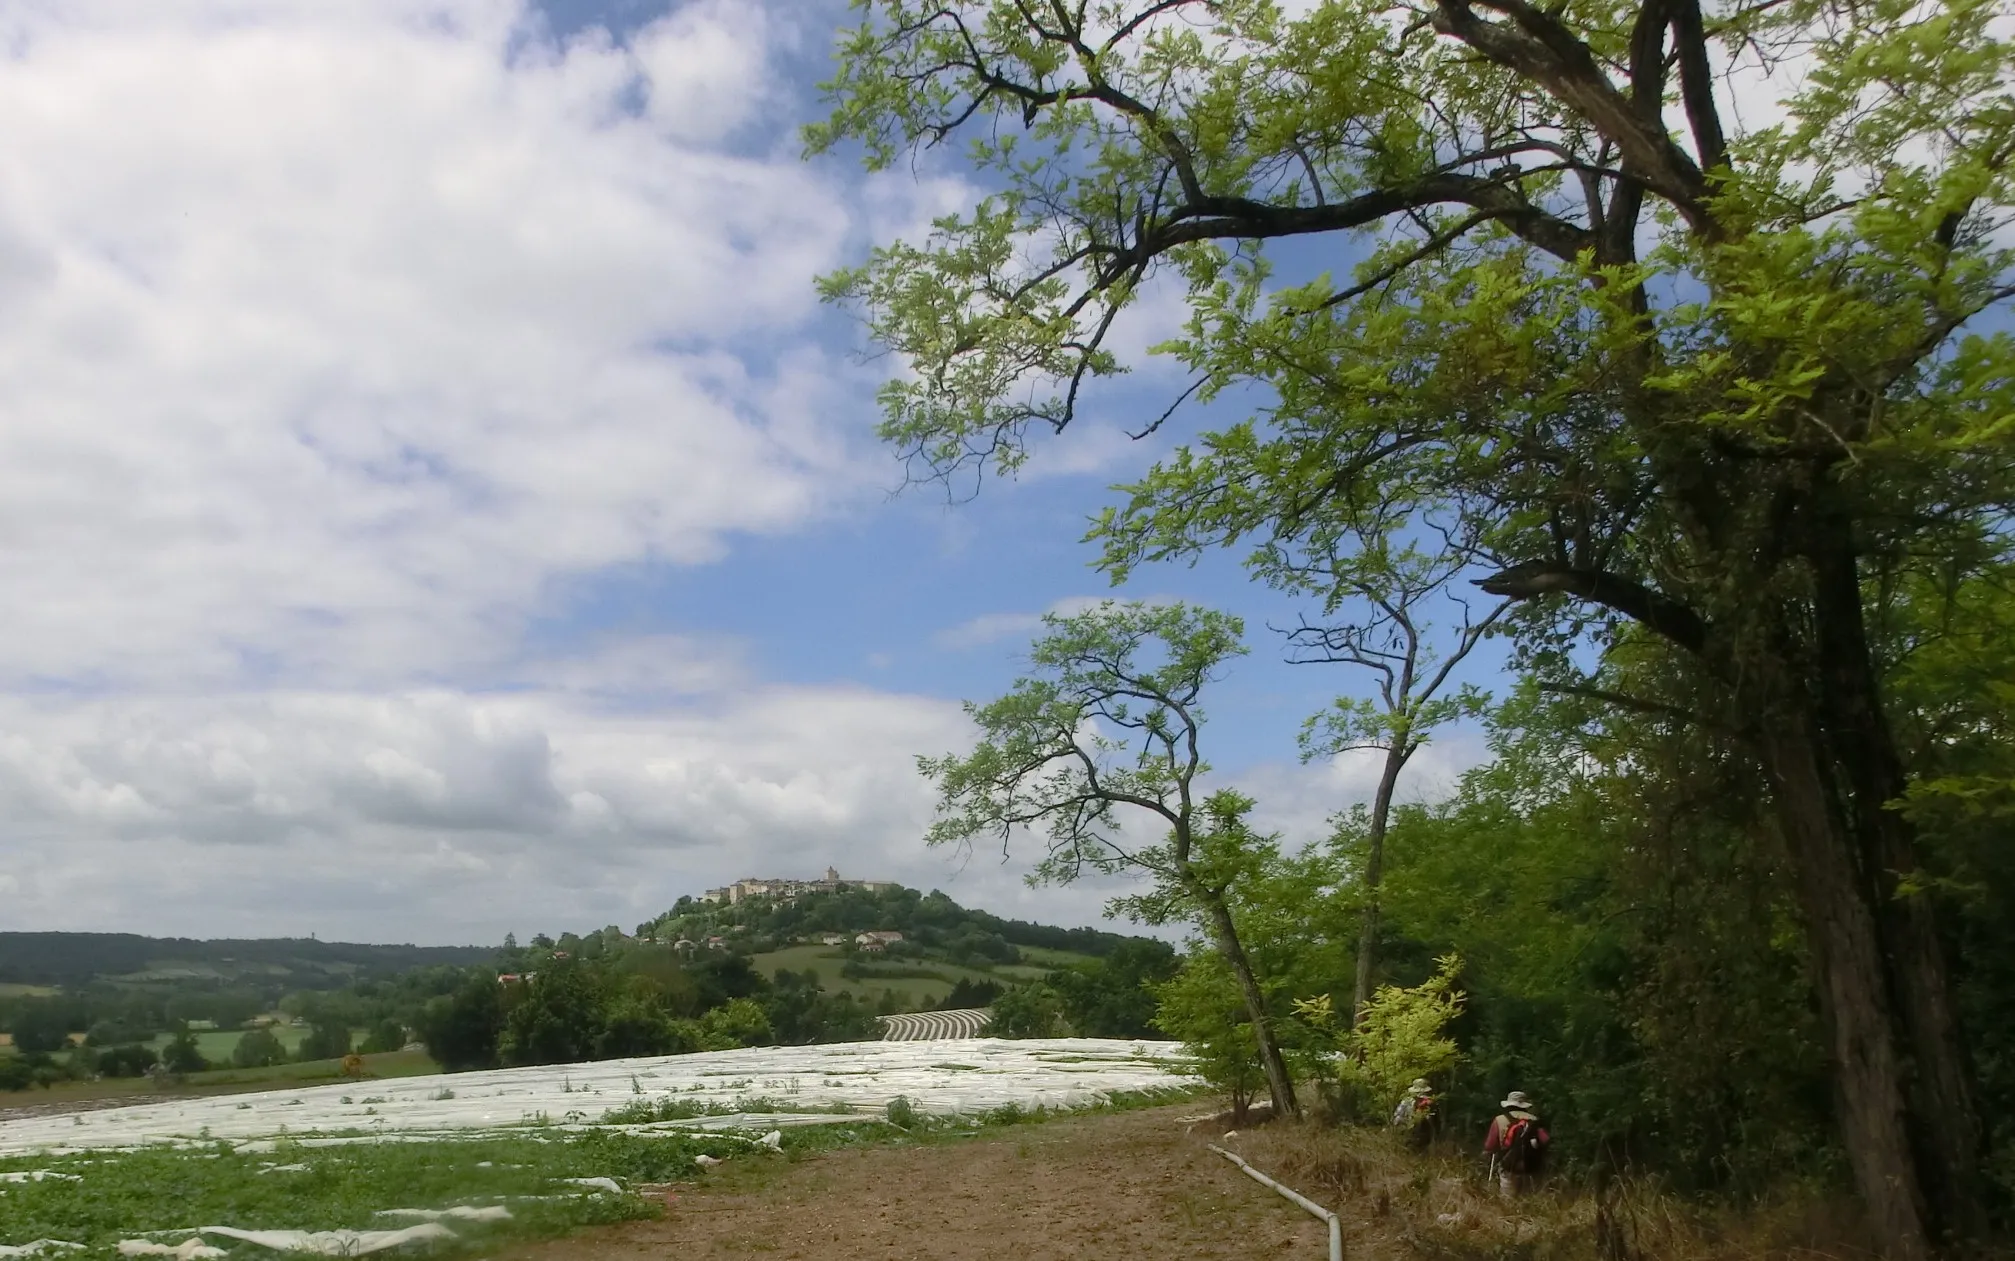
(1516, 1145)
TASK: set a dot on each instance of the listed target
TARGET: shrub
(258, 1048)
(1027, 1011)
(326, 1040)
(131, 1060)
(181, 1055)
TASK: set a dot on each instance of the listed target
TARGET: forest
(1630, 382)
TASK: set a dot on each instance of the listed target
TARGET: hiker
(1415, 1113)
(1516, 1145)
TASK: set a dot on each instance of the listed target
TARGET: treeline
(931, 921)
(637, 1002)
(72, 960)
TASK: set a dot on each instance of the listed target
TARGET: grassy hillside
(74, 959)
(828, 961)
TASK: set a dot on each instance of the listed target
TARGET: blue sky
(434, 503)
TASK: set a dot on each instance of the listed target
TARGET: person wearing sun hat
(1516, 1145)
(1416, 1112)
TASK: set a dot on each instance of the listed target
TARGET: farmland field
(217, 1044)
(13, 989)
(468, 1160)
(827, 961)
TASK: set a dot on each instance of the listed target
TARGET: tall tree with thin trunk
(1394, 590)
(1111, 721)
(1647, 364)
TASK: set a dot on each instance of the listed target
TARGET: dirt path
(1131, 1185)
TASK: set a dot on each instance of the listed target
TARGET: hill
(74, 960)
(931, 921)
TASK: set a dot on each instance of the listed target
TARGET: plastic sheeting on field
(35, 1248)
(39, 1175)
(798, 1084)
(335, 1243)
(460, 1212)
(191, 1249)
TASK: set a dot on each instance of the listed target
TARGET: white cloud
(444, 816)
(993, 628)
(337, 331)
(1298, 800)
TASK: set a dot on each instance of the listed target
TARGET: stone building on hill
(754, 887)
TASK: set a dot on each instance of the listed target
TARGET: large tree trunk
(1946, 1123)
(1396, 754)
(1853, 986)
(1279, 1085)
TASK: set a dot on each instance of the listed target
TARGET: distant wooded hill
(72, 960)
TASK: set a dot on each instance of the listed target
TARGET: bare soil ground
(1094, 1187)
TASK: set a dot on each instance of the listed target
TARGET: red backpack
(1524, 1144)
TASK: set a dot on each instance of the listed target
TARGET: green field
(827, 961)
(228, 1081)
(217, 1044)
(12, 989)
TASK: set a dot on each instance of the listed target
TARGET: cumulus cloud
(338, 331)
(1297, 801)
(440, 815)
(343, 338)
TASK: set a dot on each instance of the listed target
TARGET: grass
(827, 961)
(225, 1081)
(217, 1044)
(1396, 1203)
(165, 1193)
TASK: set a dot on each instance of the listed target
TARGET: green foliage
(1200, 1007)
(326, 1040)
(1113, 997)
(1108, 720)
(386, 1035)
(258, 1048)
(461, 1031)
(131, 1060)
(1402, 1034)
(739, 1022)
(181, 1055)
(1028, 1011)
(41, 1029)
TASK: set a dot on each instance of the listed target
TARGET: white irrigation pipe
(1335, 1223)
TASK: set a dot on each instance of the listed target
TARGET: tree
(326, 1040)
(182, 1056)
(1112, 720)
(1111, 997)
(1033, 1010)
(1703, 388)
(461, 1031)
(41, 1029)
(385, 1035)
(258, 1048)
(1202, 1007)
(1393, 638)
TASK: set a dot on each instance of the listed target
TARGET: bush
(461, 1030)
(386, 1035)
(1402, 1035)
(326, 1040)
(1027, 1011)
(181, 1055)
(258, 1048)
(742, 1022)
(131, 1060)
(41, 1029)
(16, 1073)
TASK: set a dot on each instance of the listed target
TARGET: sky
(434, 504)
